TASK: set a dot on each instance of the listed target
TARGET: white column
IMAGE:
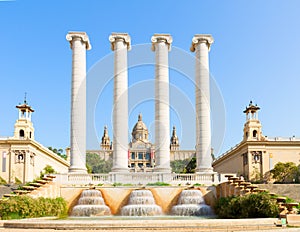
(161, 44)
(120, 43)
(79, 43)
(201, 44)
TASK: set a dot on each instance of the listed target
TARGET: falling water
(191, 203)
(141, 203)
(90, 203)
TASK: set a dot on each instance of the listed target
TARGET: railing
(141, 178)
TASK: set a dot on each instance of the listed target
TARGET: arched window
(254, 133)
(21, 134)
(30, 134)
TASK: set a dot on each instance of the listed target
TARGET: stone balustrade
(141, 178)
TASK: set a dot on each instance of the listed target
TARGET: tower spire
(174, 143)
(25, 95)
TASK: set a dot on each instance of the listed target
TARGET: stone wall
(287, 190)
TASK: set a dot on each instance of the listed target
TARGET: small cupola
(252, 126)
(24, 126)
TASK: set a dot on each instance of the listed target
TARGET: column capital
(120, 36)
(167, 38)
(201, 38)
(81, 35)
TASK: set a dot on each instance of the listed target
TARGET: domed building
(141, 152)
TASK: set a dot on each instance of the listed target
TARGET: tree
(285, 172)
(178, 166)
(97, 164)
(58, 152)
(49, 169)
(191, 166)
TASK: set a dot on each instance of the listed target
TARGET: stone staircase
(238, 187)
(35, 189)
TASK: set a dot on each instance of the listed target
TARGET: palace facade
(256, 154)
(22, 157)
(141, 152)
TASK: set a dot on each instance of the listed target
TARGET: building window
(147, 156)
(4, 161)
(254, 133)
(140, 165)
(19, 156)
(256, 157)
(132, 155)
(32, 159)
(21, 134)
(140, 155)
(245, 158)
(30, 134)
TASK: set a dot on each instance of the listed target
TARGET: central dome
(140, 131)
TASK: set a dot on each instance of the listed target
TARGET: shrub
(27, 207)
(158, 184)
(17, 181)
(250, 206)
(2, 181)
(198, 185)
(117, 184)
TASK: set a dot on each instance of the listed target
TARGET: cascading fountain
(91, 203)
(191, 203)
(141, 203)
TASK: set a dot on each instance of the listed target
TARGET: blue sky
(255, 57)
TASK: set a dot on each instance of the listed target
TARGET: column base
(204, 170)
(162, 169)
(74, 169)
(119, 170)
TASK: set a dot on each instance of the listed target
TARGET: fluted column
(79, 43)
(201, 45)
(120, 43)
(161, 44)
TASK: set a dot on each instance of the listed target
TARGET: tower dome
(140, 131)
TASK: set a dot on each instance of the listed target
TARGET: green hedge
(158, 184)
(259, 205)
(27, 207)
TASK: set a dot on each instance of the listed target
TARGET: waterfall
(191, 203)
(141, 203)
(90, 203)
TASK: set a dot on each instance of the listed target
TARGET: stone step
(42, 181)
(9, 195)
(36, 184)
(20, 192)
(29, 188)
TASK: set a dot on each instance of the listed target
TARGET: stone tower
(105, 141)
(23, 126)
(252, 126)
(174, 143)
